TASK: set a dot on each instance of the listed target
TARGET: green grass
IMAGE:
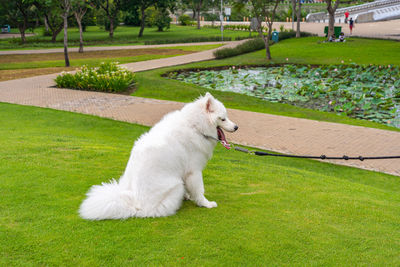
(272, 211)
(308, 50)
(95, 60)
(123, 35)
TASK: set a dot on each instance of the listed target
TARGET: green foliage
(158, 17)
(246, 47)
(109, 77)
(185, 20)
(252, 45)
(188, 40)
(132, 18)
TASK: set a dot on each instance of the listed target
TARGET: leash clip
(244, 150)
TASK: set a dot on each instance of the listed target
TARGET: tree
(142, 5)
(80, 8)
(197, 6)
(331, 10)
(52, 11)
(265, 9)
(65, 6)
(111, 8)
(19, 13)
(297, 11)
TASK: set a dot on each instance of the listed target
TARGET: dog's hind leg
(167, 204)
(195, 187)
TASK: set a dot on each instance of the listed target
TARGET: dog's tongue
(222, 139)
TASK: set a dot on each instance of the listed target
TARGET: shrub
(108, 77)
(188, 40)
(185, 20)
(253, 45)
(132, 18)
(246, 47)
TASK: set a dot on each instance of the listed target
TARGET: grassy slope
(122, 35)
(304, 50)
(94, 58)
(271, 211)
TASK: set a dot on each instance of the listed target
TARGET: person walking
(346, 16)
(351, 25)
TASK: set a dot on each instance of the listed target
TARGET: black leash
(262, 153)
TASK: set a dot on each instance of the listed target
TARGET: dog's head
(218, 118)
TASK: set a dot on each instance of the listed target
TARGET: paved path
(276, 133)
(382, 29)
(100, 48)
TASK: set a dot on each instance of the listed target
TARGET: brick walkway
(276, 133)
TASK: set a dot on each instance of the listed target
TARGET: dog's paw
(187, 196)
(211, 204)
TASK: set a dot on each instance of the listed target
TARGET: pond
(364, 92)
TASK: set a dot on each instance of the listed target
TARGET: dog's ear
(209, 102)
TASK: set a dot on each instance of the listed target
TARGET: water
(364, 92)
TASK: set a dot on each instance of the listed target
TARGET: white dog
(165, 165)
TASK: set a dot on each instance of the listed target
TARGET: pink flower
(317, 73)
(330, 102)
(335, 69)
(287, 59)
(295, 84)
(342, 61)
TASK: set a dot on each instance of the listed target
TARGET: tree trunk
(22, 32)
(80, 35)
(55, 32)
(111, 34)
(331, 12)
(298, 20)
(142, 22)
(65, 17)
(198, 14)
(293, 12)
(331, 25)
(46, 25)
(198, 19)
(79, 15)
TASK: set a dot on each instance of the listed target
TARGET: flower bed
(365, 92)
(108, 77)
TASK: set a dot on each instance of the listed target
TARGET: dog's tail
(108, 201)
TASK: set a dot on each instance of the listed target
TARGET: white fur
(165, 165)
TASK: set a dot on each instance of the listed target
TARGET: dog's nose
(236, 127)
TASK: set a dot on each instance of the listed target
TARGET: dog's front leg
(195, 187)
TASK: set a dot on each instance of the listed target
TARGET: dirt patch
(4, 59)
(25, 73)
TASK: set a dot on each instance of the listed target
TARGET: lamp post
(221, 17)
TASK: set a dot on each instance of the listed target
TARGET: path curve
(271, 132)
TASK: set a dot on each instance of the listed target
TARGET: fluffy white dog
(165, 165)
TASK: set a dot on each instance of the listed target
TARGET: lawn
(21, 66)
(94, 36)
(272, 211)
(309, 50)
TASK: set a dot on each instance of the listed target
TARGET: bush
(185, 20)
(132, 18)
(188, 40)
(158, 17)
(246, 47)
(254, 45)
(109, 77)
